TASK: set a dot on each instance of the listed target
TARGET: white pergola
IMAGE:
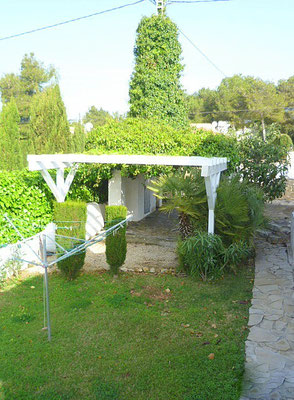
(211, 169)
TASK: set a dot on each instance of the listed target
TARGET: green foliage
(155, 89)
(238, 211)
(116, 243)
(205, 255)
(232, 215)
(201, 105)
(91, 183)
(286, 90)
(49, 128)
(264, 164)
(185, 192)
(70, 217)
(202, 255)
(10, 145)
(22, 199)
(236, 253)
(77, 137)
(143, 136)
(33, 78)
(97, 117)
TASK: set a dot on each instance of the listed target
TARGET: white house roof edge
(52, 161)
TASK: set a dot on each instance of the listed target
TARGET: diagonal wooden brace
(61, 187)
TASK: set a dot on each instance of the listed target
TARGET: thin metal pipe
(44, 254)
(23, 238)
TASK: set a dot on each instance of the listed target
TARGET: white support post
(61, 187)
(211, 184)
(115, 189)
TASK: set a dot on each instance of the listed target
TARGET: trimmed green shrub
(70, 217)
(116, 243)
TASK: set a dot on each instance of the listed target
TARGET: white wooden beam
(54, 161)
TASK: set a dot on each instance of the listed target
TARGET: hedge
(70, 218)
(23, 198)
(116, 243)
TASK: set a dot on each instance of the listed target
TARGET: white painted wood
(115, 190)
(53, 161)
(211, 221)
(61, 187)
(211, 185)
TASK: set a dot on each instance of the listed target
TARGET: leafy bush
(116, 243)
(206, 256)
(71, 217)
(202, 255)
(143, 136)
(238, 211)
(22, 199)
(264, 164)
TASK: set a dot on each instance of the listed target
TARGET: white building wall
(130, 193)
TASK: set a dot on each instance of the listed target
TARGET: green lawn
(126, 338)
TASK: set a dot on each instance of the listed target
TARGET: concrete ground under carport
(151, 246)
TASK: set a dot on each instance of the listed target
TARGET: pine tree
(10, 138)
(49, 127)
(155, 89)
(78, 137)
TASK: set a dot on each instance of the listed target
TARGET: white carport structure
(211, 169)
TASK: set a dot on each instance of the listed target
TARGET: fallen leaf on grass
(213, 326)
(185, 325)
(205, 343)
(211, 356)
(218, 342)
(216, 335)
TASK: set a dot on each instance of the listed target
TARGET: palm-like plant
(183, 191)
(239, 205)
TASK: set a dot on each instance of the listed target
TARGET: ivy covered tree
(155, 89)
(49, 127)
(10, 138)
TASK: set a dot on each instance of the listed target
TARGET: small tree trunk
(186, 228)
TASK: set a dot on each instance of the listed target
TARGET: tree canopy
(244, 101)
(97, 117)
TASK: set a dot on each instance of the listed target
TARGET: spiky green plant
(185, 192)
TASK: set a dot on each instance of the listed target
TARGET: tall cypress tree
(49, 127)
(155, 89)
(10, 137)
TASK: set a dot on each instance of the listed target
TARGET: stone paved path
(269, 368)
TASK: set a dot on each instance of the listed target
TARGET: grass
(135, 337)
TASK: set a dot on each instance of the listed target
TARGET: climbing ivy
(155, 89)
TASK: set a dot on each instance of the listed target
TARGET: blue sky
(94, 57)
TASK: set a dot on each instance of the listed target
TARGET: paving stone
(269, 367)
(259, 335)
(255, 319)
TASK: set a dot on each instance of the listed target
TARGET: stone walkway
(269, 368)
